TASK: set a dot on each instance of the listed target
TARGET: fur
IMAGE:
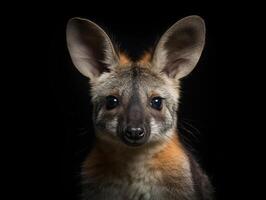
(159, 168)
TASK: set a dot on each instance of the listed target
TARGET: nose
(134, 133)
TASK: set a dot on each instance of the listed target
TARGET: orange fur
(172, 152)
(124, 59)
(107, 161)
(170, 161)
(146, 58)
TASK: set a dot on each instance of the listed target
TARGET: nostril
(139, 132)
(128, 133)
(134, 133)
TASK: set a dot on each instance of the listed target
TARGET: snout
(135, 136)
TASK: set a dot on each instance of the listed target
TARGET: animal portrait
(138, 154)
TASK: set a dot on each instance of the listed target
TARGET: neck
(115, 159)
(118, 149)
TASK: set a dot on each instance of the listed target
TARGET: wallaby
(138, 154)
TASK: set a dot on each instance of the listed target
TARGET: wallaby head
(135, 103)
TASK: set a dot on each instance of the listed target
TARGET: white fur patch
(111, 126)
(155, 134)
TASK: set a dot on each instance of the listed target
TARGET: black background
(135, 34)
(54, 129)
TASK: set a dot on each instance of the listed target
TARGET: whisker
(191, 126)
(190, 132)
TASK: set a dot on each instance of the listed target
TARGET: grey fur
(135, 84)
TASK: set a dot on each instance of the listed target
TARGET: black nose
(134, 133)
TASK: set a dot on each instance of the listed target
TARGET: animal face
(135, 103)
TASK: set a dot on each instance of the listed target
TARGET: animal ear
(90, 48)
(179, 49)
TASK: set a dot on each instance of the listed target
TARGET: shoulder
(202, 184)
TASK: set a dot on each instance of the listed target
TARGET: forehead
(124, 80)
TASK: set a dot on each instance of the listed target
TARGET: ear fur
(180, 47)
(90, 48)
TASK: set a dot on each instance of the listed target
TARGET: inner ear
(179, 49)
(174, 67)
(90, 48)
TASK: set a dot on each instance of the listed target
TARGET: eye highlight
(157, 103)
(111, 102)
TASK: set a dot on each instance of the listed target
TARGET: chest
(140, 182)
(156, 174)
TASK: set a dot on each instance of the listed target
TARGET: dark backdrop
(136, 33)
(56, 113)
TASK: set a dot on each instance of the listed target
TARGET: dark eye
(111, 102)
(157, 103)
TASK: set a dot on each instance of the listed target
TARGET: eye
(157, 103)
(111, 102)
